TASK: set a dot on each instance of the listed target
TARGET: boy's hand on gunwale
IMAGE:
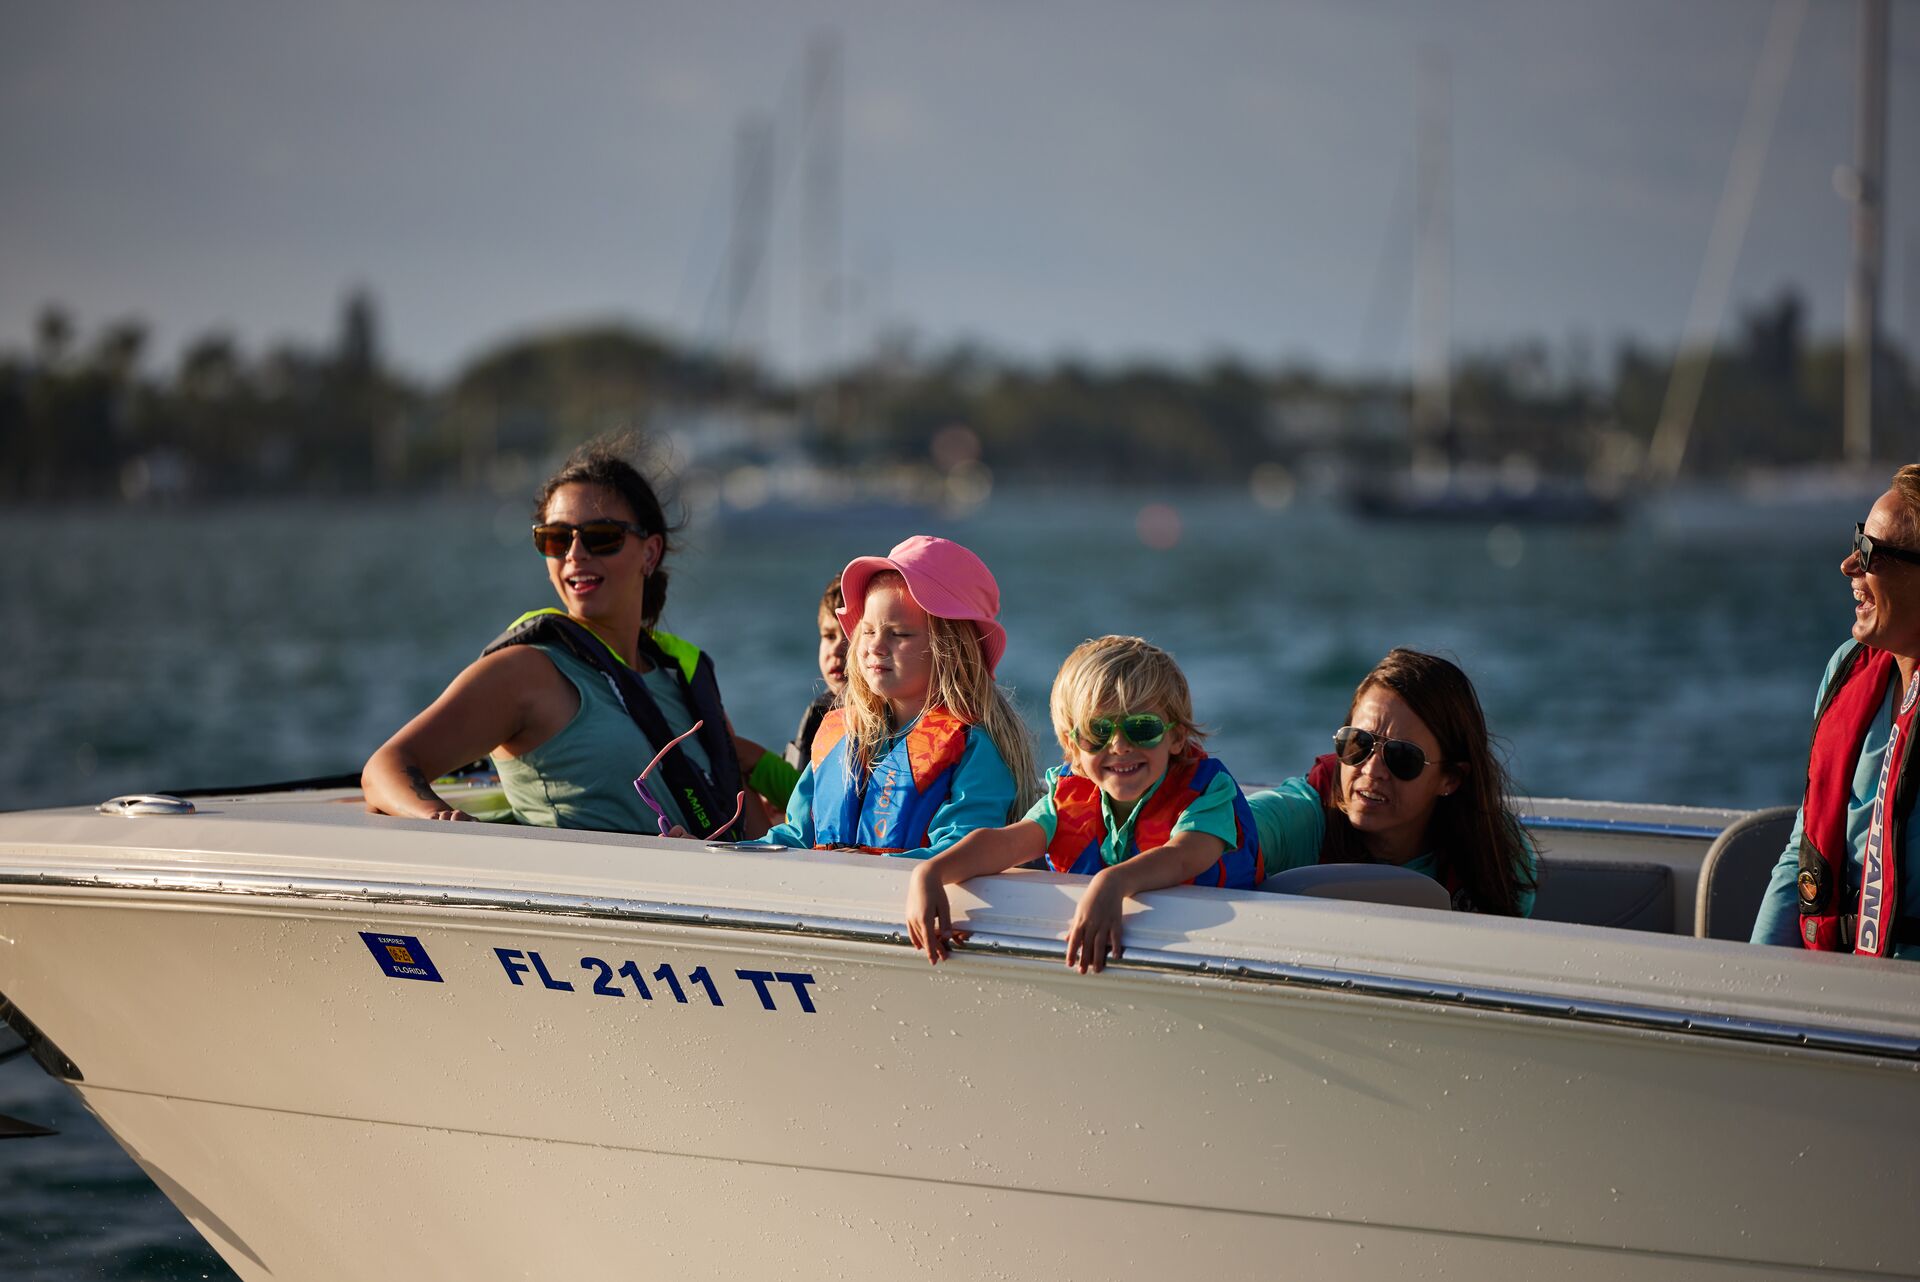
(1095, 931)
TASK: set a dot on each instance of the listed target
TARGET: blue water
(1670, 660)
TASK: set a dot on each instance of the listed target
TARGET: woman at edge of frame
(1846, 880)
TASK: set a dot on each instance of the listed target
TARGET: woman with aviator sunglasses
(1413, 781)
(569, 702)
(1847, 880)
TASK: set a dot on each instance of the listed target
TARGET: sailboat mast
(1865, 189)
(1433, 355)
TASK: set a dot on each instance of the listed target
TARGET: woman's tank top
(583, 776)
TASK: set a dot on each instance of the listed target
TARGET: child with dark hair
(833, 671)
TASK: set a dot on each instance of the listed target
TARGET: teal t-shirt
(1211, 813)
(583, 776)
(982, 796)
(1292, 824)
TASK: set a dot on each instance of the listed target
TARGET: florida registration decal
(401, 956)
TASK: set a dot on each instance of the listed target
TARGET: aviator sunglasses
(600, 538)
(1866, 547)
(1404, 760)
(1142, 730)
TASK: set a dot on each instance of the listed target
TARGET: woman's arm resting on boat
(1095, 931)
(980, 853)
(513, 699)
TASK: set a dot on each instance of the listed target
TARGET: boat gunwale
(1469, 997)
(1620, 827)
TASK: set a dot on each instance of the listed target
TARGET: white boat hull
(1270, 1087)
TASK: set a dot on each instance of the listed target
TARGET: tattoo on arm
(421, 787)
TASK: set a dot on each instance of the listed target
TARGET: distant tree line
(84, 417)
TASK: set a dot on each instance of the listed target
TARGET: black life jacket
(704, 800)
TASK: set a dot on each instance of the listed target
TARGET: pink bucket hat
(943, 578)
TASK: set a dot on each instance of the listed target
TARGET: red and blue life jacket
(1082, 824)
(890, 808)
(1847, 709)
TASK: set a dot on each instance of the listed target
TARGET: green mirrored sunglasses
(1142, 730)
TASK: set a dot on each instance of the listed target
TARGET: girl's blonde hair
(1119, 674)
(961, 683)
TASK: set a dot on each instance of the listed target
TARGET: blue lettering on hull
(793, 991)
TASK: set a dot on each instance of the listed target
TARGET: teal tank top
(583, 776)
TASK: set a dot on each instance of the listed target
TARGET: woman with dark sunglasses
(1413, 781)
(571, 702)
(1847, 880)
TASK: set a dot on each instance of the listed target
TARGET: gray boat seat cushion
(1601, 892)
(1366, 883)
(1734, 874)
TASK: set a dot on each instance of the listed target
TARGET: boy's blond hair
(1119, 674)
(963, 684)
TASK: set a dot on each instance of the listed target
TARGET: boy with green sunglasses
(1137, 806)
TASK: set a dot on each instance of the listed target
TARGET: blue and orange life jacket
(888, 809)
(1847, 709)
(1082, 824)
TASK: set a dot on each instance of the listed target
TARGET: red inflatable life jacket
(1081, 826)
(1848, 706)
(890, 809)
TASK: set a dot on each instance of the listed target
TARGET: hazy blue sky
(1117, 178)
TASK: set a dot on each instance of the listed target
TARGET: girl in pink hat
(925, 747)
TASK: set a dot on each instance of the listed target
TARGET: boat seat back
(1365, 883)
(1602, 892)
(1734, 874)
